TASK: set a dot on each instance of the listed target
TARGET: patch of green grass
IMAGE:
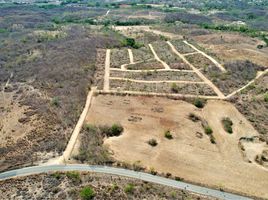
(87, 193)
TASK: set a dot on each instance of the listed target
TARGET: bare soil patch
(190, 152)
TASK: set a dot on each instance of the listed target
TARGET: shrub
(227, 125)
(90, 127)
(193, 117)
(174, 88)
(208, 130)
(74, 176)
(87, 193)
(199, 103)
(116, 130)
(152, 171)
(266, 97)
(152, 142)
(57, 175)
(55, 101)
(129, 188)
(168, 135)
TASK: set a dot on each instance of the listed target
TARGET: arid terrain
(175, 89)
(190, 152)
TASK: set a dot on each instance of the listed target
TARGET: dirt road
(217, 91)
(157, 58)
(209, 57)
(106, 85)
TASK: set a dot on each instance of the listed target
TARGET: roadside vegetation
(92, 150)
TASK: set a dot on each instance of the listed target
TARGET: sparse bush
(266, 97)
(152, 171)
(129, 188)
(174, 88)
(168, 135)
(152, 142)
(55, 101)
(199, 103)
(227, 125)
(57, 175)
(193, 117)
(116, 130)
(208, 130)
(87, 193)
(74, 176)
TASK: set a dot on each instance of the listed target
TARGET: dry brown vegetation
(181, 88)
(47, 91)
(252, 102)
(68, 185)
(157, 75)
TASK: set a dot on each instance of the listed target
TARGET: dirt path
(209, 57)
(124, 29)
(131, 59)
(144, 81)
(249, 83)
(151, 70)
(217, 91)
(106, 85)
(157, 58)
(68, 151)
(107, 12)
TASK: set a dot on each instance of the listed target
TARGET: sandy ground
(10, 115)
(188, 156)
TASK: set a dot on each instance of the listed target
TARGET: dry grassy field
(190, 154)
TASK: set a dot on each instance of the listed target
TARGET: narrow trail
(107, 12)
(209, 57)
(68, 151)
(167, 81)
(217, 91)
(151, 70)
(106, 84)
(131, 59)
(188, 54)
(157, 58)
(249, 83)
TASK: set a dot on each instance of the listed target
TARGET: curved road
(122, 172)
